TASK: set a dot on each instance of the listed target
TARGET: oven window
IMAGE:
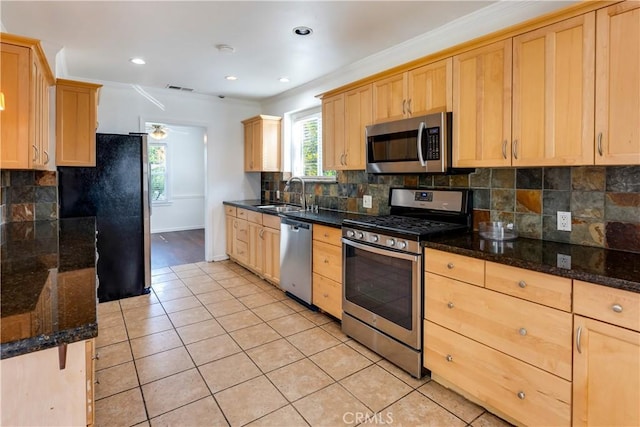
(380, 284)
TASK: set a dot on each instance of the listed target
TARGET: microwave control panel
(432, 144)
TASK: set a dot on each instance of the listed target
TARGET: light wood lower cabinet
(517, 391)
(36, 392)
(253, 240)
(327, 269)
(606, 356)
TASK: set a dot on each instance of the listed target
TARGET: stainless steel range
(383, 270)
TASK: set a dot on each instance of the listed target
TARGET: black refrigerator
(116, 193)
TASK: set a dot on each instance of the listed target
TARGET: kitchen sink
(281, 208)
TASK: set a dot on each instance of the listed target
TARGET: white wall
(122, 107)
(186, 179)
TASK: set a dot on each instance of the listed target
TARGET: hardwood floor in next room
(177, 248)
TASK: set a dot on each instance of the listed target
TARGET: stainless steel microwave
(416, 145)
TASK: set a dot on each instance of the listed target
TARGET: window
(306, 144)
(158, 172)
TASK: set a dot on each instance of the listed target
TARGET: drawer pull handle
(578, 334)
(522, 284)
(326, 261)
(450, 266)
(449, 358)
(523, 331)
(325, 295)
(96, 357)
(521, 395)
(326, 235)
(617, 308)
(450, 305)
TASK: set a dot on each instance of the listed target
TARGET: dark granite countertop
(616, 269)
(607, 267)
(48, 292)
(331, 218)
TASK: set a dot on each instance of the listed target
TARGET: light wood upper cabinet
(606, 374)
(553, 94)
(617, 126)
(332, 132)
(423, 90)
(25, 78)
(482, 106)
(344, 117)
(76, 122)
(262, 147)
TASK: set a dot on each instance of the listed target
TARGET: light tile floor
(215, 345)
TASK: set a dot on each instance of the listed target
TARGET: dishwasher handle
(295, 225)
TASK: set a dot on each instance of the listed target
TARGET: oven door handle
(384, 252)
(419, 143)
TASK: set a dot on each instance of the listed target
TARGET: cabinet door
(252, 151)
(618, 84)
(333, 133)
(606, 374)
(256, 250)
(389, 99)
(429, 88)
(357, 115)
(76, 120)
(229, 234)
(553, 94)
(482, 106)
(272, 254)
(270, 146)
(15, 151)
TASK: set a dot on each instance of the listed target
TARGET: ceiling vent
(184, 89)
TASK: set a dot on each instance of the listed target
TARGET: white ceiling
(178, 38)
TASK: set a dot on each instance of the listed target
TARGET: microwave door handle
(419, 143)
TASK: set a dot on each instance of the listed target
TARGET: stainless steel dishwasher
(295, 258)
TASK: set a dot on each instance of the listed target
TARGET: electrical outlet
(366, 202)
(564, 261)
(564, 221)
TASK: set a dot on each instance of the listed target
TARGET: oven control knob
(360, 235)
(391, 242)
(350, 233)
(374, 238)
(402, 245)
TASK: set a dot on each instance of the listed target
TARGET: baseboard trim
(169, 230)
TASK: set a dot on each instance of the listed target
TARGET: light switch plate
(366, 201)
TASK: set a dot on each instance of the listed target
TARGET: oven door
(383, 288)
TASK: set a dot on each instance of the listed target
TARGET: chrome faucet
(303, 200)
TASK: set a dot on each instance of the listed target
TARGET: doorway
(177, 175)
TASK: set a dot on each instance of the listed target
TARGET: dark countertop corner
(48, 293)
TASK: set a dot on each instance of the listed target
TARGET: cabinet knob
(325, 295)
(617, 308)
(449, 358)
(326, 235)
(522, 284)
(521, 395)
(326, 261)
(450, 266)
(96, 357)
(450, 304)
(522, 331)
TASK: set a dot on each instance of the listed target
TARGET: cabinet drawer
(610, 305)
(330, 235)
(327, 260)
(271, 221)
(242, 213)
(327, 295)
(255, 217)
(459, 267)
(230, 210)
(534, 333)
(497, 379)
(542, 288)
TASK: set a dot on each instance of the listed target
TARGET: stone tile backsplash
(604, 201)
(27, 195)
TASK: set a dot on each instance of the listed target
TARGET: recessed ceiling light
(138, 61)
(302, 31)
(284, 79)
(231, 78)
